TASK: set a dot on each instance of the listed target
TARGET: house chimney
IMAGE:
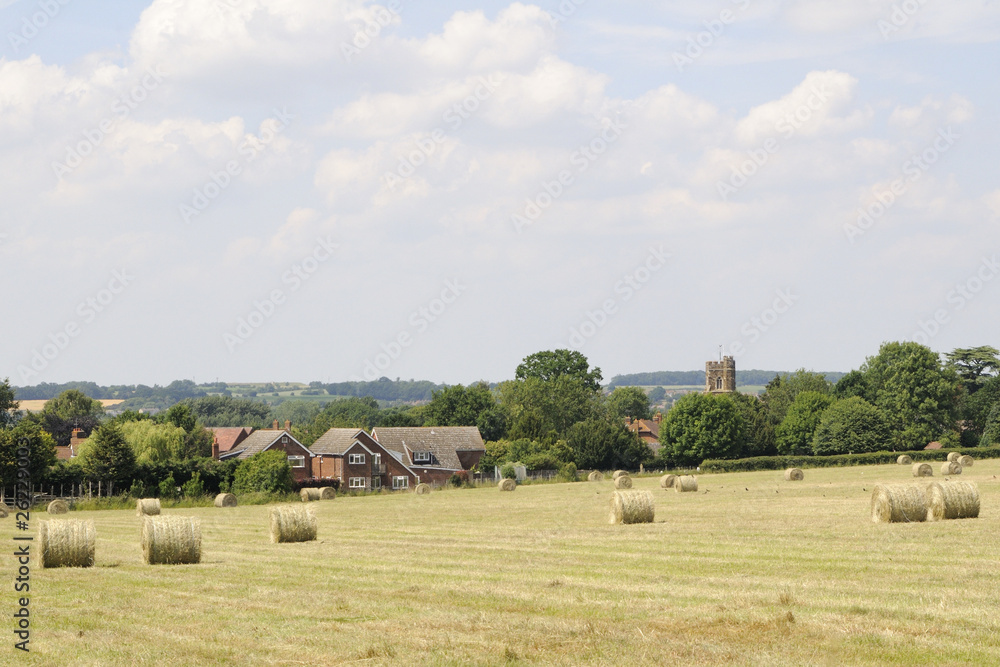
(76, 436)
(657, 417)
(275, 426)
(288, 425)
(215, 448)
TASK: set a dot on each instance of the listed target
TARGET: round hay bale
(893, 503)
(422, 489)
(292, 523)
(171, 540)
(595, 476)
(226, 500)
(147, 507)
(904, 460)
(686, 483)
(309, 495)
(922, 470)
(67, 542)
(4, 512)
(952, 500)
(632, 507)
(57, 507)
(327, 493)
(667, 481)
(623, 482)
(966, 461)
(954, 456)
(794, 475)
(619, 473)
(951, 468)
(507, 485)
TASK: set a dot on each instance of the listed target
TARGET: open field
(750, 570)
(33, 405)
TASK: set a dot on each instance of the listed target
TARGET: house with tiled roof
(227, 437)
(360, 462)
(434, 452)
(648, 431)
(263, 440)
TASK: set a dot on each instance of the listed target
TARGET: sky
(291, 190)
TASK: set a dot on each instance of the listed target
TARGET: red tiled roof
(933, 445)
(230, 437)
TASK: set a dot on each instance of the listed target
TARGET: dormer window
(421, 457)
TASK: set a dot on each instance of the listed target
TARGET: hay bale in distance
(507, 485)
(595, 476)
(309, 495)
(422, 489)
(293, 523)
(904, 460)
(893, 503)
(922, 470)
(623, 482)
(171, 540)
(667, 481)
(794, 475)
(954, 456)
(226, 500)
(632, 507)
(147, 506)
(952, 500)
(57, 507)
(686, 483)
(966, 461)
(67, 542)
(619, 473)
(327, 493)
(951, 468)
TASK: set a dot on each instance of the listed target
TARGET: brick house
(299, 456)
(228, 438)
(434, 453)
(648, 431)
(360, 462)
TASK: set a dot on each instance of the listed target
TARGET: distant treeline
(385, 389)
(673, 378)
(173, 393)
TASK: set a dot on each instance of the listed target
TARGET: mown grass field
(750, 570)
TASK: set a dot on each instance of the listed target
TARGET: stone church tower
(720, 376)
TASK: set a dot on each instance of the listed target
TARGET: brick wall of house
(291, 448)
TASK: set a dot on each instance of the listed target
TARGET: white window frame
(356, 483)
(400, 482)
(293, 461)
(377, 459)
(421, 457)
(356, 459)
(376, 483)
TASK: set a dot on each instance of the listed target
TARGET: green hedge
(872, 458)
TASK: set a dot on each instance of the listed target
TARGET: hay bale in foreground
(422, 489)
(952, 500)
(619, 473)
(966, 461)
(922, 470)
(57, 507)
(327, 493)
(667, 481)
(292, 523)
(632, 507)
(623, 482)
(147, 506)
(894, 503)
(595, 476)
(951, 468)
(171, 540)
(4, 512)
(309, 495)
(954, 456)
(904, 460)
(225, 500)
(794, 475)
(686, 483)
(507, 485)
(67, 542)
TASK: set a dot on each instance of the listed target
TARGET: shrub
(568, 473)
(168, 488)
(851, 425)
(193, 488)
(138, 489)
(507, 471)
(459, 479)
(267, 472)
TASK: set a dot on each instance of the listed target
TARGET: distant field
(36, 406)
(750, 570)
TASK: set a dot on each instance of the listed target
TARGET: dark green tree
(8, 405)
(703, 426)
(759, 425)
(851, 425)
(107, 457)
(628, 402)
(795, 432)
(537, 407)
(975, 365)
(853, 384)
(599, 444)
(267, 472)
(41, 451)
(552, 364)
(67, 411)
(474, 405)
(657, 395)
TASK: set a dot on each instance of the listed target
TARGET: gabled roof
(229, 437)
(258, 441)
(338, 440)
(645, 427)
(443, 442)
